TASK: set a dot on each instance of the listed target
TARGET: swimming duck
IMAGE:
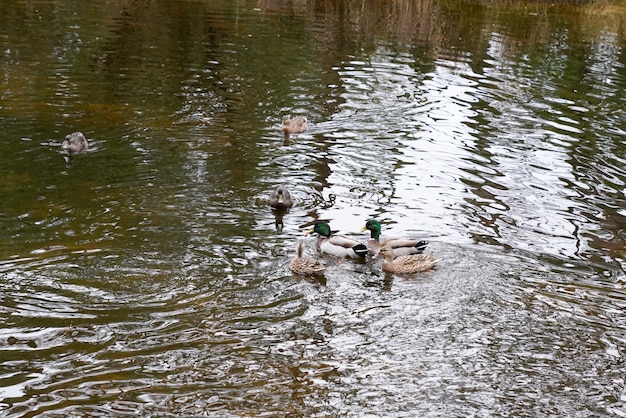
(280, 198)
(293, 125)
(337, 245)
(406, 264)
(304, 265)
(75, 143)
(400, 246)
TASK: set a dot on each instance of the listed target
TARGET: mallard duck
(280, 198)
(304, 265)
(400, 246)
(293, 125)
(406, 264)
(337, 245)
(75, 143)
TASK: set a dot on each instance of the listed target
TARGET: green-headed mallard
(293, 125)
(304, 265)
(75, 143)
(280, 198)
(337, 245)
(400, 246)
(406, 264)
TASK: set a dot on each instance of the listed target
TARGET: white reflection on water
(446, 153)
(149, 279)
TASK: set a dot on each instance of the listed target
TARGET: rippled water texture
(148, 276)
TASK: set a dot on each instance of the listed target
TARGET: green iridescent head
(321, 228)
(374, 227)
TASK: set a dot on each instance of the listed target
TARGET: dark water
(147, 277)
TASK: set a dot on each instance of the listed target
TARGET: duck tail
(421, 246)
(360, 250)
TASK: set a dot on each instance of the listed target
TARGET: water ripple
(149, 277)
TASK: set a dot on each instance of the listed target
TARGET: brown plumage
(406, 264)
(304, 265)
(280, 198)
(75, 143)
(293, 125)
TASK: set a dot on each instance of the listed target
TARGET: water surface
(148, 277)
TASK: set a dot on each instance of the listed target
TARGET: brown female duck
(75, 143)
(406, 264)
(280, 198)
(294, 125)
(304, 265)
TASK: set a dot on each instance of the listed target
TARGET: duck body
(400, 246)
(406, 264)
(294, 125)
(337, 245)
(75, 143)
(280, 198)
(304, 265)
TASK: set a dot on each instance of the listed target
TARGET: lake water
(148, 276)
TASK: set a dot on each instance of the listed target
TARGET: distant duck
(406, 264)
(400, 246)
(304, 265)
(75, 143)
(294, 125)
(280, 198)
(337, 245)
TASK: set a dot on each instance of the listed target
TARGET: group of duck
(400, 255)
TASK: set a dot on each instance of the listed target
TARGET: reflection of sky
(463, 154)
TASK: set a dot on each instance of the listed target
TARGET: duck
(280, 198)
(337, 245)
(75, 143)
(294, 125)
(406, 264)
(304, 265)
(400, 246)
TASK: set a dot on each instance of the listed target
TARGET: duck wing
(414, 263)
(342, 246)
(302, 265)
(403, 246)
